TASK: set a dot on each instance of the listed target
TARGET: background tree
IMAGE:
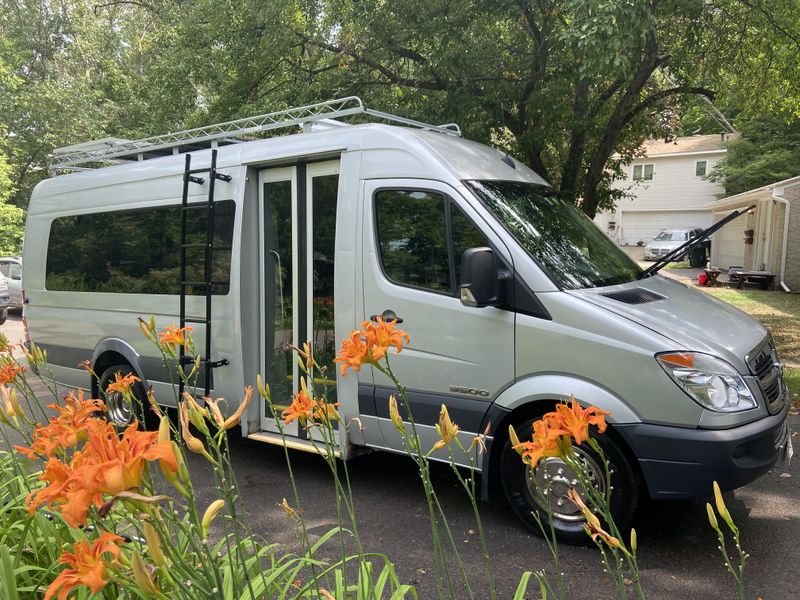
(571, 87)
(768, 151)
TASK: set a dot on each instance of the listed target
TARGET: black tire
(517, 479)
(3, 316)
(120, 413)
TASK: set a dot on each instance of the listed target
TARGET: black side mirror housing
(480, 279)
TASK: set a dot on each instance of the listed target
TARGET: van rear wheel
(120, 411)
(521, 484)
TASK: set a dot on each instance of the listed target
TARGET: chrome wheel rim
(549, 482)
(120, 411)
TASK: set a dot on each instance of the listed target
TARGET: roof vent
(635, 296)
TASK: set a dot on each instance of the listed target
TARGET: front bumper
(682, 464)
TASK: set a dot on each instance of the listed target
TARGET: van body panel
(691, 319)
(613, 353)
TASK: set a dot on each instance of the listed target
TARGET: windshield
(672, 236)
(560, 238)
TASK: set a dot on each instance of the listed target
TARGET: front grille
(764, 365)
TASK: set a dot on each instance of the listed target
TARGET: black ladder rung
(196, 206)
(204, 283)
(205, 245)
(197, 321)
(223, 362)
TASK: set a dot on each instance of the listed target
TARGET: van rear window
(137, 251)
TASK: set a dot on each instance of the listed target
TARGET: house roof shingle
(687, 145)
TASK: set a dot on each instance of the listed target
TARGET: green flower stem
(469, 488)
(422, 461)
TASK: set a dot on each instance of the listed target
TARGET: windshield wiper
(687, 247)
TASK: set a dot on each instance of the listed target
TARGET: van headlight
(712, 382)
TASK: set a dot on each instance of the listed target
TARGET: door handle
(387, 315)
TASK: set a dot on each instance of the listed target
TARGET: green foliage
(572, 87)
(768, 151)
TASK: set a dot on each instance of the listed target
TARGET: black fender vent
(635, 296)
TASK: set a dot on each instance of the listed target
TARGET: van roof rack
(114, 150)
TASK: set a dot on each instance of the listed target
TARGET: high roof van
(513, 300)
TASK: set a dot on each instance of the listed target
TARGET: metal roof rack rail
(113, 150)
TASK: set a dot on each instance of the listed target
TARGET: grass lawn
(780, 313)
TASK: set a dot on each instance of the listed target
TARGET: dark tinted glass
(574, 252)
(137, 251)
(412, 235)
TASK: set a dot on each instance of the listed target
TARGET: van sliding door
(298, 230)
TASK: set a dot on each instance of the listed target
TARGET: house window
(700, 168)
(643, 172)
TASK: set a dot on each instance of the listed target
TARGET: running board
(291, 443)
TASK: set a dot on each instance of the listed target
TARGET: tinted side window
(417, 247)
(412, 235)
(137, 251)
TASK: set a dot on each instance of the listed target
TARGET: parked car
(669, 239)
(3, 299)
(11, 268)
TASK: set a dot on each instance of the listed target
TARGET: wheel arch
(113, 351)
(534, 396)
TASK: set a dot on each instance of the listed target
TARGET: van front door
(414, 236)
(297, 234)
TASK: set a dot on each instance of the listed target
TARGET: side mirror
(480, 280)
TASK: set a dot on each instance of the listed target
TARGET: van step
(290, 442)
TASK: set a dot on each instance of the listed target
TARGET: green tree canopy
(768, 151)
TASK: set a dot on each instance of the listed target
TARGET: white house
(669, 188)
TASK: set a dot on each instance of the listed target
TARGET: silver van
(513, 299)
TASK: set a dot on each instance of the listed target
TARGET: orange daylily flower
(576, 420)
(544, 442)
(9, 372)
(64, 430)
(326, 411)
(107, 464)
(353, 354)
(302, 408)
(382, 335)
(86, 566)
(370, 344)
(172, 337)
(122, 384)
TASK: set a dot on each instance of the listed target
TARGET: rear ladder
(190, 177)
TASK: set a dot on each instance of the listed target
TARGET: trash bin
(697, 256)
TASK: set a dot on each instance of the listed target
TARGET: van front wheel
(522, 486)
(120, 411)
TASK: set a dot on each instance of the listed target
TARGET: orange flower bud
(394, 414)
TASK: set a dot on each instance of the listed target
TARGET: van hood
(690, 318)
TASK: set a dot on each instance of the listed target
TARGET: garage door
(729, 243)
(640, 225)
